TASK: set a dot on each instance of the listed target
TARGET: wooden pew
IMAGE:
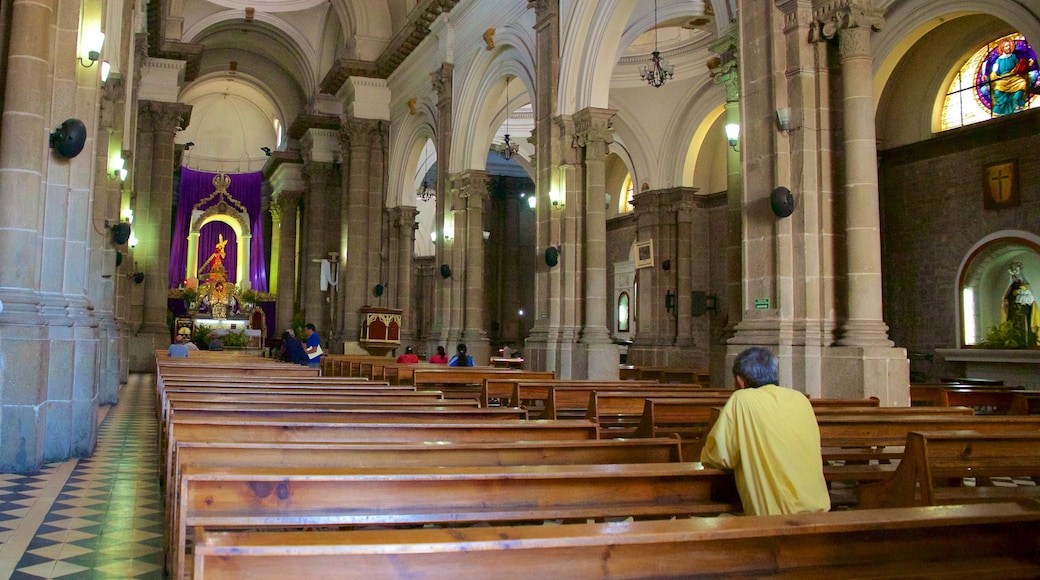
(618, 413)
(932, 460)
(689, 418)
(979, 541)
(891, 430)
(1025, 404)
(503, 389)
(665, 374)
(937, 394)
(279, 498)
(469, 381)
(872, 402)
(574, 397)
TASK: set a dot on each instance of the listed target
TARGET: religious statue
(1020, 307)
(1009, 80)
(215, 262)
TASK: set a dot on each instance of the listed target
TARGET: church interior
(579, 185)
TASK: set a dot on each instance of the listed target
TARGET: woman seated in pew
(461, 359)
(441, 358)
(409, 356)
(769, 437)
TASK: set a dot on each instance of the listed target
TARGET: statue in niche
(215, 263)
(1020, 308)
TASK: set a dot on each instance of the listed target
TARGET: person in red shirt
(441, 358)
(408, 357)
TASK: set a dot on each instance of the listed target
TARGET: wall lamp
(91, 46)
(132, 241)
(106, 68)
(532, 201)
(118, 166)
(556, 198)
(733, 136)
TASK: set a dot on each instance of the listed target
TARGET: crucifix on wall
(1000, 184)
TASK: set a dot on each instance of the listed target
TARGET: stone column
(357, 136)
(158, 123)
(592, 127)
(286, 208)
(315, 246)
(23, 379)
(441, 80)
(682, 208)
(403, 223)
(471, 189)
(725, 72)
(865, 325)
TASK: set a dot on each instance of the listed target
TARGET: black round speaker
(445, 271)
(119, 258)
(552, 256)
(378, 290)
(69, 137)
(138, 277)
(120, 233)
(782, 202)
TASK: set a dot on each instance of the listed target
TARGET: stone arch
(982, 279)
(239, 223)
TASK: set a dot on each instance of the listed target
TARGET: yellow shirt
(769, 437)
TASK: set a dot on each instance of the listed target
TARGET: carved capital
(846, 16)
(285, 205)
(441, 80)
(162, 117)
(594, 131)
(797, 13)
(723, 69)
(316, 173)
(357, 132)
(469, 189)
(566, 142)
(403, 217)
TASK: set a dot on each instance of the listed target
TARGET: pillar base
(861, 372)
(142, 350)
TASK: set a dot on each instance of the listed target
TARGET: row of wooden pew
(248, 449)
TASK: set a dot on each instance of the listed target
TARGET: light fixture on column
(424, 192)
(106, 68)
(658, 70)
(509, 148)
(733, 136)
(90, 47)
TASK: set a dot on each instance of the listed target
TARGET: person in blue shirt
(461, 359)
(313, 345)
(292, 349)
(178, 349)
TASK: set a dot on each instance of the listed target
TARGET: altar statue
(215, 262)
(1020, 307)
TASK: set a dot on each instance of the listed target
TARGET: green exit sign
(761, 304)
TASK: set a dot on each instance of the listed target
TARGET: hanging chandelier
(424, 192)
(658, 70)
(509, 148)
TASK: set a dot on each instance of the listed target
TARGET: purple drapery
(198, 185)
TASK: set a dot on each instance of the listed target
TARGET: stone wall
(932, 215)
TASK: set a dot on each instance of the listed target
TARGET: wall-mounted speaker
(445, 271)
(69, 137)
(120, 233)
(552, 256)
(379, 289)
(782, 202)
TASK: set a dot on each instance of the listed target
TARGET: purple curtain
(198, 185)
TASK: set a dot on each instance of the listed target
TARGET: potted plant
(235, 339)
(248, 299)
(1005, 335)
(191, 297)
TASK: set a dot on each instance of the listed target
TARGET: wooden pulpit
(380, 329)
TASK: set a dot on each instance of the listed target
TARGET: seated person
(769, 437)
(461, 359)
(177, 348)
(191, 345)
(292, 349)
(216, 343)
(441, 358)
(408, 357)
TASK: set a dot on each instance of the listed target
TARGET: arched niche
(984, 280)
(239, 223)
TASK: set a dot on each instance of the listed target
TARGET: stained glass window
(1001, 78)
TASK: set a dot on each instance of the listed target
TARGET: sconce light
(487, 235)
(783, 119)
(433, 237)
(447, 232)
(669, 301)
(733, 136)
(532, 201)
(132, 240)
(117, 165)
(91, 46)
(106, 68)
(556, 198)
(127, 215)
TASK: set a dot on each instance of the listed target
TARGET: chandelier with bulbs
(424, 192)
(658, 70)
(509, 148)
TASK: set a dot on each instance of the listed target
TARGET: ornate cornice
(305, 122)
(162, 116)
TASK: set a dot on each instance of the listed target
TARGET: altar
(1016, 367)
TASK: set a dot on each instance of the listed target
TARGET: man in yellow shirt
(769, 437)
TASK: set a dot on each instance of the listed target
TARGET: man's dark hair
(408, 350)
(310, 325)
(757, 366)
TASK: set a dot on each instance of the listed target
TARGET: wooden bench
(537, 396)
(979, 541)
(932, 460)
(665, 374)
(1025, 404)
(689, 418)
(986, 398)
(502, 390)
(618, 413)
(221, 498)
(469, 381)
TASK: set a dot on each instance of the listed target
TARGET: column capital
(162, 116)
(285, 203)
(358, 132)
(723, 69)
(566, 144)
(316, 172)
(594, 131)
(441, 80)
(797, 13)
(403, 216)
(853, 19)
(470, 188)
(544, 9)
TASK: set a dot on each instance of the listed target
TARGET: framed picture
(1000, 185)
(645, 254)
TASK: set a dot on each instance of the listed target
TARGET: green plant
(299, 320)
(202, 335)
(249, 298)
(1005, 335)
(190, 295)
(236, 338)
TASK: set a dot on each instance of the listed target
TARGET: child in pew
(769, 437)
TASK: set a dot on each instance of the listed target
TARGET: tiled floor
(98, 517)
